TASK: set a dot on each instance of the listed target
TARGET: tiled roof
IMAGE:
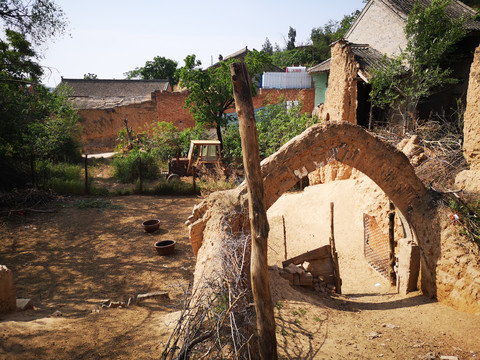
(366, 56)
(320, 68)
(115, 88)
(454, 10)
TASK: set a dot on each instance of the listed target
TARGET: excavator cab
(201, 152)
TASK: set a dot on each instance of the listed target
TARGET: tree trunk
(219, 136)
(267, 340)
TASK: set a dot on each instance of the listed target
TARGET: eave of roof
(102, 88)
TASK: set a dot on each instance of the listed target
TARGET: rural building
(347, 97)
(103, 105)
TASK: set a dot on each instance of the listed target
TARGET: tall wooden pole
(267, 340)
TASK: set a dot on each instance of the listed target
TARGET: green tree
(211, 91)
(292, 34)
(159, 68)
(285, 58)
(40, 20)
(276, 124)
(322, 37)
(401, 82)
(34, 122)
(267, 47)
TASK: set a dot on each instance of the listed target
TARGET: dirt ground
(71, 260)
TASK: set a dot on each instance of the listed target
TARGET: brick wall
(170, 108)
(101, 126)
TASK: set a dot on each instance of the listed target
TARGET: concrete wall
(366, 30)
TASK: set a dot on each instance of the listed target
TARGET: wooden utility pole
(267, 340)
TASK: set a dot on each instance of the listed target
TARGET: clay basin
(165, 247)
(151, 225)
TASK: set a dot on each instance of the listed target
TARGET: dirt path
(370, 320)
(70, 260)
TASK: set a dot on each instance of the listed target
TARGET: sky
(109, 38)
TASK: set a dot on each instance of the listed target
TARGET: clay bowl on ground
(151, 225)
(165, 247)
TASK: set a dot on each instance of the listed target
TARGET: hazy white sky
(109, 38)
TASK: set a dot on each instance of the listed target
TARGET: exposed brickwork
(170, 108)
(101, 126)
(306, 96)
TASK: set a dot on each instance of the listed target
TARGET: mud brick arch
(348, 144)
(389, 168)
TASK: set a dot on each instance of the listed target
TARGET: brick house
(103, 105)
(343, 81)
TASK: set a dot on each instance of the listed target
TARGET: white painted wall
(380, 27)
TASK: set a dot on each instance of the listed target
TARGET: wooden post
(391, 243)
(32, 167)
(86, 174)
(267, 340)
(336, 268)
(140, 174)
(284, 237)
(193, 176)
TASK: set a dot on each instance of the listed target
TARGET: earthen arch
(389, 168)
(348, 144)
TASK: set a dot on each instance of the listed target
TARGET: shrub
(127, 168)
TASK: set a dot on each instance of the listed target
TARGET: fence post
(391, 243)
(87, 191)
(333, 249)
(193, 176)
(140, 174)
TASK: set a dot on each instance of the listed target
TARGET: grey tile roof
(320, 68)
(115, 88)
(455, 10)
(365, 56)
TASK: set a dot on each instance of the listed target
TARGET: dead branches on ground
(218, 321)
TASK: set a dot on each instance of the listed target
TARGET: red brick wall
(170, 108)
(101, 126)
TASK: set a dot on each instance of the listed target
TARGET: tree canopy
(211, 91)
(39, 20)
(34, 123)
(317, 48)
(158, 68)
(399, 83)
